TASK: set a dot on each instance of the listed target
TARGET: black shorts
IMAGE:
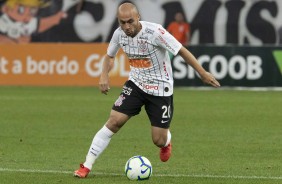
(159, 108)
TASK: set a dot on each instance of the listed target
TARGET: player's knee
(114, 123)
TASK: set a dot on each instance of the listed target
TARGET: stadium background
(237, 40)
(219, 136)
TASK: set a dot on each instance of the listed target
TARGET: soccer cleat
(165, 152)
(82, 172)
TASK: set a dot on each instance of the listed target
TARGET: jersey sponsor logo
(140, 63)
(149, 86)
(165, 70)
(134, 56)
(123, 42)
(149, 31)
(119, 101)
(162, 30)
(143, 37)
(147, 81)
(166, 44)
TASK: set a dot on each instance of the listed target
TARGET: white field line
(157, 175)
(238, 88)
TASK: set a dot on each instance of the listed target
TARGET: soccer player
(150, 82)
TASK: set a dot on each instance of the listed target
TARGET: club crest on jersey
(119, 101)
(142, 45)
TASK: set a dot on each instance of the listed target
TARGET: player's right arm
(108, 62)
(104, 78)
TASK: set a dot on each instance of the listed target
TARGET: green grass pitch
(219, 136)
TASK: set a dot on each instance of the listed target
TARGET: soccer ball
(138, 168)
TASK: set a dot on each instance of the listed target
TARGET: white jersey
(15, 29)
(150, 65)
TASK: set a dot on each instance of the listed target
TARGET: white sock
(168, 138)
(100, 141)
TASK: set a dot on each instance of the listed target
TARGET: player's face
(21, 13)
(129, 23)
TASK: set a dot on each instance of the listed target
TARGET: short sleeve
(114, 44)
(165, 40)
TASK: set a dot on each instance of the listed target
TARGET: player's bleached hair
(32, 3)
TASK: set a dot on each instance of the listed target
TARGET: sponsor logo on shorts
(164, 121)
(126, 90)
(119, 101)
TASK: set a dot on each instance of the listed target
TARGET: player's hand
(208, 78)
(104, 84)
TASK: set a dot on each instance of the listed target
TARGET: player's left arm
(206, 77)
